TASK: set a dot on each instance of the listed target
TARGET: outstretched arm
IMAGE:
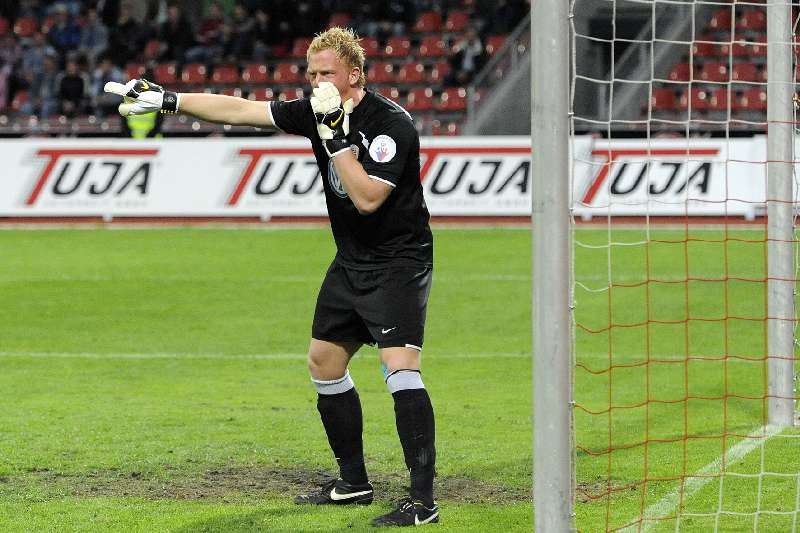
(142, 96)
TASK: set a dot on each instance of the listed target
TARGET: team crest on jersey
(382, 149)
(333, 178)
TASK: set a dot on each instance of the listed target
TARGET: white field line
(668, 505)
(241, 357)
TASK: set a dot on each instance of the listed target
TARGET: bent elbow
(367, 207)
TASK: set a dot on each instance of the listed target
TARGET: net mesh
(671, 281)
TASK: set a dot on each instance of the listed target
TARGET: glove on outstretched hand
(142, 96)
(333, 121)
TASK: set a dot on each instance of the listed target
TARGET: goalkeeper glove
(333, 120)
(142, 96)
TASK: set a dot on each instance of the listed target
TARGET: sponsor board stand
(242, 178)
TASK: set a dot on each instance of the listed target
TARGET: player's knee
(321, 367)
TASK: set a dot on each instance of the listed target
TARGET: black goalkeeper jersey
(387, 146)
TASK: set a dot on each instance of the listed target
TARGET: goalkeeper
(376, 289)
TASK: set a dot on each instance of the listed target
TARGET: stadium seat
(261, 94)
(428, 22)
(166, 74)
(432, 46)
(737, 49)
(25, 27)
(439, 72)
(300, 47)
(4, 26)
(372, 48)
(419, 99)
(698, 98)
(225, 74)
(19, 100)
(339, 18)
(719, 100)
(152, 49)
(452, 99)
(194, 74)
(134, 71)
(389, 92)
(413, 72)
(704, 49)
(288, 73)
(46, 24)
(715, 72)
(456, 21)
(663, 99)
(744, 72)
(495, 43)
(381, 72)
(758, 48)
(397, 47)
(231, 91)
(291, 94)
(752, 20)
(255, 73)
(753, 100)
(721, 20)
(681, 72)
(440, 128)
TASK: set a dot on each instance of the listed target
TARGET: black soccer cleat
(338, 492)
(409, 513)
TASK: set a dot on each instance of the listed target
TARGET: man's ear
(355, 73)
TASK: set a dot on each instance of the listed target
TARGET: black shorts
(384, 307)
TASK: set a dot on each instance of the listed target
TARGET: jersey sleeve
(389, 151)
(293, 116)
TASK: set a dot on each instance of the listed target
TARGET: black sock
(341, 416)
(415, 426)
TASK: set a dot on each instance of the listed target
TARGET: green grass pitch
(154, 380)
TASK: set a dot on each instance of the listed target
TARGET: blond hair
(346, 44)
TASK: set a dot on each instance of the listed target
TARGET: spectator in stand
(94, 37)
(5, 85)
(272, 38)
(176, 35)
(238, 35)
(33, 58)
(309, 18)
(103, 102)
(10, 50)
(208, 36)
(126, 38)
(65, 34)
(43, 97)
(504, 15)
(73, 88)
(467, 59)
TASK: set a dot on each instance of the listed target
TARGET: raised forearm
(366, 193)
(224, 109)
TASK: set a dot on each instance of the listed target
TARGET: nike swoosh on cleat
(335, 496)
(418, 522)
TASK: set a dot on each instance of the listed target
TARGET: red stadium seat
(381, 72)
(698, 98)
(428, 22)
(681, 72)
(439, 72)
(232, 91)
(439, 128)
(389, 92)
(227, 74)
(752, 20)
(288, 73)
(457, 21)
(759, 47)
(300, 47)
(663, 99)
(495, 43)
(721, 20)
(19, 100)
(719, 100)
(432, 46)
(152, 49)
(4, 26)
(261, 94)
(744, 72)
(372, 48)
(46, 24)
(134, 71)
(166, 74)
(715, 72)
(411, 73)
(753, 100)
(290, 94)
(453, 99)
(704, 49)
(25, 27)
(397, 47)
(194, 74)
(736, 49)
(255, 73)
(340, 19)
(420, 99)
